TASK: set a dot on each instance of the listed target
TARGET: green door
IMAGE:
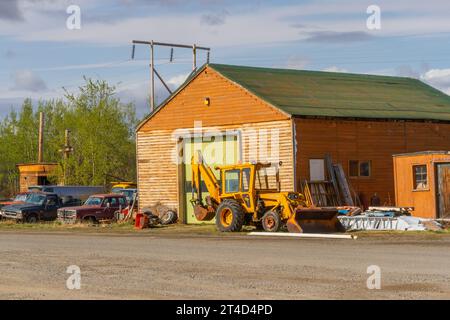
(222, 151)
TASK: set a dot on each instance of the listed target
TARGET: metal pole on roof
(194, 57)
(152, 45)
(152, 78)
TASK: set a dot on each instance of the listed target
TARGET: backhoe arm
(201, 171)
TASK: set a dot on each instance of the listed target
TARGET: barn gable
(230, 104)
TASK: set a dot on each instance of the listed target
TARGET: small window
(122, 202)
(51, 202)
(364, 168)
(245, 179)
(353, 168)
(232, 181)
(114, 202)
(420, 177)
(357, 168)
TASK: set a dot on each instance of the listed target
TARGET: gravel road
(33, 266)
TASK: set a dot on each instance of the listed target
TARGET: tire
(271, 221)
(229, 216)
(90, 220)
(32, 218)
(147, 212)
(169, 217)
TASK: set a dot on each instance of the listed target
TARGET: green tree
(102, 137)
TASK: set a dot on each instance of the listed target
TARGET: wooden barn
(236, 113)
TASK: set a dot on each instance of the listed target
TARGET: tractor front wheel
(229, 216)
(271, 221)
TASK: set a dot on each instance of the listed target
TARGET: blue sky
(39, 55)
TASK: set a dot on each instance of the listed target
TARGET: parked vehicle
(130, 195)
(97, 207)
(37, 206)
(74, 192)
(117, 187)
(19, 198)
(244, 196)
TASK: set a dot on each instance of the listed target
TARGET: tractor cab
(244, 182)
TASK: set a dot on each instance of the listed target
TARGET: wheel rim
(270, 222)
(226, 217)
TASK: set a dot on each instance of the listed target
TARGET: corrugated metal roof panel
(329, 94)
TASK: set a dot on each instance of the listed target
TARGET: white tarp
(403, 223)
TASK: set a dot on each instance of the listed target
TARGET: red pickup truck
(97, 207)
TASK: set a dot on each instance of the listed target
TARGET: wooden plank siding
(231, 108)
(424, 201)
(376, 141)
(159, 175)
(229, 104)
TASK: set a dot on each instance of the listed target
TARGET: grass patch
(402, 234)
(58, 226)
(184, 229)
(121, 227)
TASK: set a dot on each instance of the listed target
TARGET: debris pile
(388, 218)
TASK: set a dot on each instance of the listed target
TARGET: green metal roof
(332, 94)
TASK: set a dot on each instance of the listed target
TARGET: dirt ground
(197, 263)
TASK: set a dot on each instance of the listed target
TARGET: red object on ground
(141, 221)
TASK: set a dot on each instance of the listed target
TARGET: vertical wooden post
(66, 154)
(41, 138)
(152, 78)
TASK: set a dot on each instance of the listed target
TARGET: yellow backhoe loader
(247, 195)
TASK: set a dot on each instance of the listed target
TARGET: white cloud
(264, 24)
(29, 81)
(138, 92)
(297, 62)
(177, 81)
(438, 78)
(335, 69)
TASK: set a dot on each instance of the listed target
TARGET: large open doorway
(216, 150)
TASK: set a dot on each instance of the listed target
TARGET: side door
(106, 207)
(247, 189)
(443, 190)
(115, 206)
(111, 207)
(51, 208)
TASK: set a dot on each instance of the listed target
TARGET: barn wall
(159, 173)
(376, 141)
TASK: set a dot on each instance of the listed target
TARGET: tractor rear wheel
(229, 216)
(271, 221)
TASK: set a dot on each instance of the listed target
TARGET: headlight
(293, 196)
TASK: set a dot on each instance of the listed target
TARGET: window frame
(359, 162)
(225, 184)
(414, 180)
(244, 171)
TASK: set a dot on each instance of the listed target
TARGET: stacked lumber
(334, 192)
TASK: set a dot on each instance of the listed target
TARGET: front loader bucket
(203, 214)
(314, 220)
